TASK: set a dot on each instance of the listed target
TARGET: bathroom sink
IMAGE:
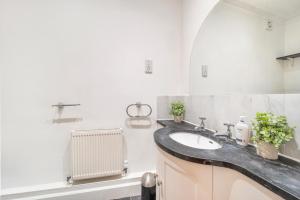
(194, 140)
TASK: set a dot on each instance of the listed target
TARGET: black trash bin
(149, 186)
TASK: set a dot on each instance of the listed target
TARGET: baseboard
(104, 190)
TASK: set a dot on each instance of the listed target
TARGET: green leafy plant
(177, 108)
(272, 129)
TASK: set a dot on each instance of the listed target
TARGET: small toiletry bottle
(242, 132)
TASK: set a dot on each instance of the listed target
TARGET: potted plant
(177, 110)
(270, 133)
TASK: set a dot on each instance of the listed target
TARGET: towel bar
(139, 105)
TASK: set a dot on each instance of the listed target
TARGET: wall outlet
(148, 66)
(269, 25)
(204, 71)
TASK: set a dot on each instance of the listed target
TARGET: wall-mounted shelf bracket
(288, 57)
(61, 105)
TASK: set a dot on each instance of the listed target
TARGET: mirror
(244, 46)
(246, 59)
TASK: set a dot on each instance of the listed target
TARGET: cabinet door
(182, 180)
(231, 185)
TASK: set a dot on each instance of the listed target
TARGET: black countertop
(281, 176)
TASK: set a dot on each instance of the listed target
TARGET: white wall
(88, 52)
(292, 46)
(194, 12)
(1, 77)
(239, 52)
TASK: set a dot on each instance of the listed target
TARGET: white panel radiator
(97, 153)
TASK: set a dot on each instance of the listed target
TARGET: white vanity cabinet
(183, 180)
(229, 184)
(158, 126)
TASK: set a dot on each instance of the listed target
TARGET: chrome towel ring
(139, 106)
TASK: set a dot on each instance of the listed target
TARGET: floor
(130, 198)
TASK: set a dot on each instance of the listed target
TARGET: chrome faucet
(228, 133)
(202, 124)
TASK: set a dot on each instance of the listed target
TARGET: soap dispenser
(242, 132)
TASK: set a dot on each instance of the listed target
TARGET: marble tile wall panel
(219, 109)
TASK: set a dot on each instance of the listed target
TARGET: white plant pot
(178, 119)
(267, 151)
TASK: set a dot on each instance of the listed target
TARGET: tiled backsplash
(219, 109)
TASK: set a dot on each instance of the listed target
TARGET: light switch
(204, 71)
(148, 66)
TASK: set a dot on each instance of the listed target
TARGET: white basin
(194, 140)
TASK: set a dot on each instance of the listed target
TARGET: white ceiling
(284, 9)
